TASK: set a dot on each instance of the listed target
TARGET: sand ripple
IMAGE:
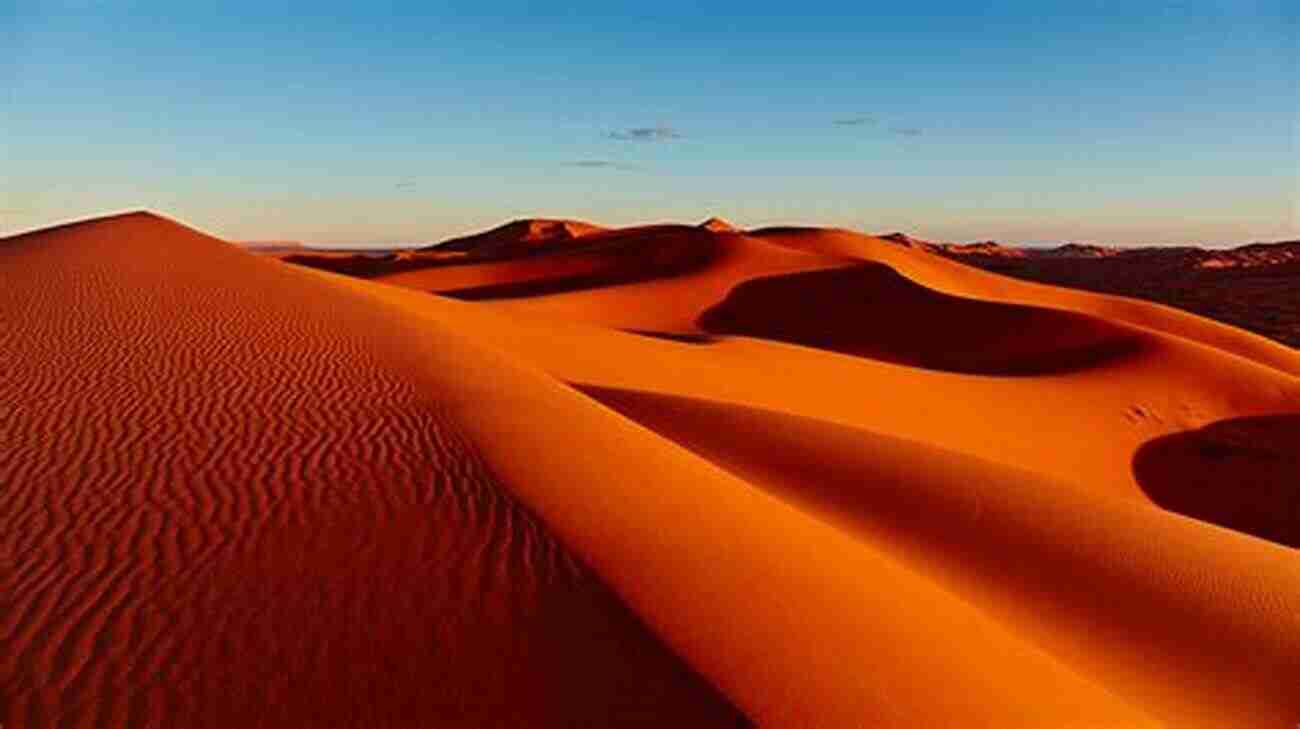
(228, 502)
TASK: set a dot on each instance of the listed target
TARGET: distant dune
(670, 475)
(518, 237)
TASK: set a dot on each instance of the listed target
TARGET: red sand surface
(671, 475)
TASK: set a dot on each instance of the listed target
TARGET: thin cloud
(405, 185)
(855, 121)
(659, 133)
(599, 164)
(907, 131)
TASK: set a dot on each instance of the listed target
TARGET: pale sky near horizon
(405, 122)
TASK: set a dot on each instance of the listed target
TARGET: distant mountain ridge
(1245, 256)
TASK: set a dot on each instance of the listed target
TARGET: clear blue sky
(1154, 121)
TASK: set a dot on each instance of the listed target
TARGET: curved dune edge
(596, 274)
(869, 310)
(653, 279)
(959, 279)
(1193, 624)
(1079, 427)
(232, 497)
(1200, 626)
(798, 623)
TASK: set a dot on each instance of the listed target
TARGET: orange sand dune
(598, 259)
(672, 299)
(675, 270)
(235, 497)
(1118, 590)
(1082, 426)
(872, 311)
(842, 483)
(955, 278)
(1094, 573)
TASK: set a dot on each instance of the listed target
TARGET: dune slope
(1123, 592)
(1241, 473)
(232, 499)
(958, 279)
(869, 310)
(1192, 624)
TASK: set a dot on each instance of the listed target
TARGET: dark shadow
(870, 310)
(605, 258)
(1243, 474)
(361, 265)
(613, 259)
(1262, 299)
(673, 336)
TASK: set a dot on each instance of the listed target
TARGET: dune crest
(239, 501)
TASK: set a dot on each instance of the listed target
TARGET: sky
(346, 123)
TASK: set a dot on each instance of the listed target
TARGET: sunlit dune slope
(1081, 422)
(1193, 624)
(1121, 591)
(233, 496)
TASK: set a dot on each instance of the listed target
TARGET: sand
(669, 475)
(235, 497)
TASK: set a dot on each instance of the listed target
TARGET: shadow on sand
(872, 311)
(1243, 474)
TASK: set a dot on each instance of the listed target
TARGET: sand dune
(670, 475)
(961, 280)
(855, 310)
(1131, 612)
(234, 498)
(1073, 546)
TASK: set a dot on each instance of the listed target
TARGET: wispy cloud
(657, 133)
(855, 121)
(405, 184)
(599, 164)
(867, 120)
